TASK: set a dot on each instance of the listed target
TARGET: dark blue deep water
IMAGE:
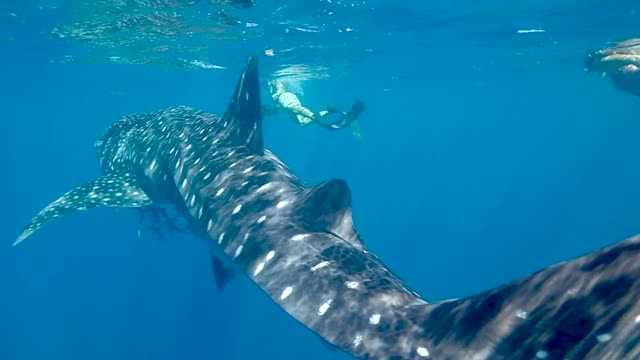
(487, 154)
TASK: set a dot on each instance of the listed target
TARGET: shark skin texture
(299, 245)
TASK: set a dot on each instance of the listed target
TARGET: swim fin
(351, 116)
(356, 109)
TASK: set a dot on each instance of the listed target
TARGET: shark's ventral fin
(244, 114)
(115, 190)
(221, 272)
(327, 207)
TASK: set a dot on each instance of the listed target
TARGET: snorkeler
(620, 63)
(303, 116)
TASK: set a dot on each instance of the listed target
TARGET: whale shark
(298, 243)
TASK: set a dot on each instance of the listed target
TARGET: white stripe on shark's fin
(115, 190)
(327, 207)
(221, 272)
(244, 114)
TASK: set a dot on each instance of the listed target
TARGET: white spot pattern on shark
(309, 258)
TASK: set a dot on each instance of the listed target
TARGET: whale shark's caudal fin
(244, 114)
(327, 207)
(115, 190)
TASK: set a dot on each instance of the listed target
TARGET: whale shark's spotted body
(299, 245)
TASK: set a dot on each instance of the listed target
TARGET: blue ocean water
(487, 154)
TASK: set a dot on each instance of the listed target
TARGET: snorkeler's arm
(302, 111)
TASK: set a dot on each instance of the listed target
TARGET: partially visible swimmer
(302, 116)
(620, 63)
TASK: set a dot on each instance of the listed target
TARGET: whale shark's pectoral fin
(115, 190)
(221, 273)
(244, 114)
(327, 207)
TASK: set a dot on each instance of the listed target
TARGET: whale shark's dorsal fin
(327, 207)
(244, 114)
(115, 190)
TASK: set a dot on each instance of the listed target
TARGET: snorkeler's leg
(303, 115)
(301, 110)
(303, 120)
